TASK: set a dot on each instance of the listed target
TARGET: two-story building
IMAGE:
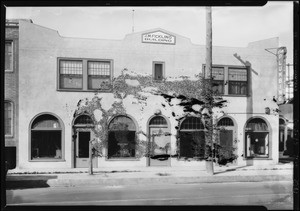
(61, 77)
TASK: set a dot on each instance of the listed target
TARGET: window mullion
(84, 75)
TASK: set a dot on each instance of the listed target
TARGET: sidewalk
(18, 178)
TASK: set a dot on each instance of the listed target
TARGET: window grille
(122, 123)
(192, 123)
(158, 121)
(71, 67)
(225, 122)
(83, 120)
(101, 68)
(45, 121)
(218, 73)
(237, 74)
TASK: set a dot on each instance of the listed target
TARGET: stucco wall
(40, 47)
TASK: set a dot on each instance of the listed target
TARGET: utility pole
(132, 21)
(208, 75)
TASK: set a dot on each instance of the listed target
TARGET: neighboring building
(59, 76)
(11, 92)
(286, 126)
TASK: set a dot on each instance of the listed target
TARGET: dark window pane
(218, 87)
(237, 87)
(158, 71)
(192, 144)
(158, 121)
(46, 144)
(83, 144)
(225, 122)
(83, 120)
(192, 123)
(121, 144)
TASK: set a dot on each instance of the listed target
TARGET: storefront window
(192, 138)
(46, 138)
(121, 138)
(257, 138)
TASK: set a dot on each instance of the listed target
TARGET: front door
(82, 149)
(160, 147)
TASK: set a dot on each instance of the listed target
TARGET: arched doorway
(192, 138)
(121, 138)
(282, 135)
(83, 125)
(257, 138)
(160, 142)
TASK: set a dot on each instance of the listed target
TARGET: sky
(232, 26)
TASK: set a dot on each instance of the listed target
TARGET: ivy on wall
(188, 92)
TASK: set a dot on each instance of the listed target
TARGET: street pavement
(272, 195)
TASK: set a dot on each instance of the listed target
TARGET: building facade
(67, 96)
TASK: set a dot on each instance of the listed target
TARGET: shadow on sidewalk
(233, 169)
(25, 182)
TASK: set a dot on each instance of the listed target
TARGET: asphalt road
(273, 195)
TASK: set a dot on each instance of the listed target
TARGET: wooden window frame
(226, 79)
(12, 56)
(163, 70)
(62, 129)
(85, 76)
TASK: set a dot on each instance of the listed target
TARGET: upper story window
(229, 80)
(237, 81)
(84, 74)
(8, 118)
(71, 74)
(158, 71)
(218, 77)
(8, 56)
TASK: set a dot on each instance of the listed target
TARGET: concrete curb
(77, 182)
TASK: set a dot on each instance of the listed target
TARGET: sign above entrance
(158, 37)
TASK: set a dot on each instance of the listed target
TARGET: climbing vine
(193, 95)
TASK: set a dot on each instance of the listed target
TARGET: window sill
(47, 160)
(122, 159)
(257, 158)
(90, 90)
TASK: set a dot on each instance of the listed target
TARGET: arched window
(46, 137)
(121, 138)
(257, 138)
(226, 121)
(8, 118)
(158, 121)
(83, 120)
(192, 138)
